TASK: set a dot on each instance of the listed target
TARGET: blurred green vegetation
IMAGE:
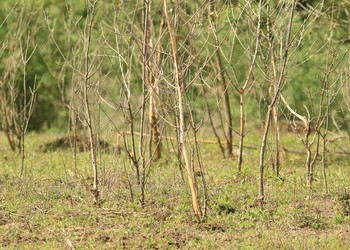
(64, 17)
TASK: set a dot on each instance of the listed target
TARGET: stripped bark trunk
(146, 81)
(276, 163)
(180, 90)
(153, 114)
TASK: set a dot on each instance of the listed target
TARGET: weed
(311, 221)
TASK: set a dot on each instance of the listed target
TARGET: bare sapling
(247, 85)
(155, 140)
(87, 73)
(146, 80)
(135, 131)
(223, 82)
(331, 85)
(17, 103)
(180, 91)
(8, 92)
(273, 70)
(306, 141)
(28, 102)
(17, 91)
(334, 80)
(280, 81)
(84, 66)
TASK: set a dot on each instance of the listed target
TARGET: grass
(52, 208)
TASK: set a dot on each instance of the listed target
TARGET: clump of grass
(311, 221)
(344, 198)
(224, 206)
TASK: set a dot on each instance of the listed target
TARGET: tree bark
(223, 85)
(180, 90)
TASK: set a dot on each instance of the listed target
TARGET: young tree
(223, 82)
(285, 41)
(18, 92)
(180, 91)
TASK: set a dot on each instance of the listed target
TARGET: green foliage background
(303, 86)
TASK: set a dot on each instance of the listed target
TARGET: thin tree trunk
(153, 115)
(145, 82)
(222, 149)
(153, 120)
(24, 60)
(241, 130)
(309, 172)
(242, 91)
(223, 85)
(75, 144)
(324, 164)
(277, 162)
(262, 157)
(278, 88)
(180, 91)
(95, 191)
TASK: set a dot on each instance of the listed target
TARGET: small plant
(224, 206)
(311, 221)
(344, 198)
